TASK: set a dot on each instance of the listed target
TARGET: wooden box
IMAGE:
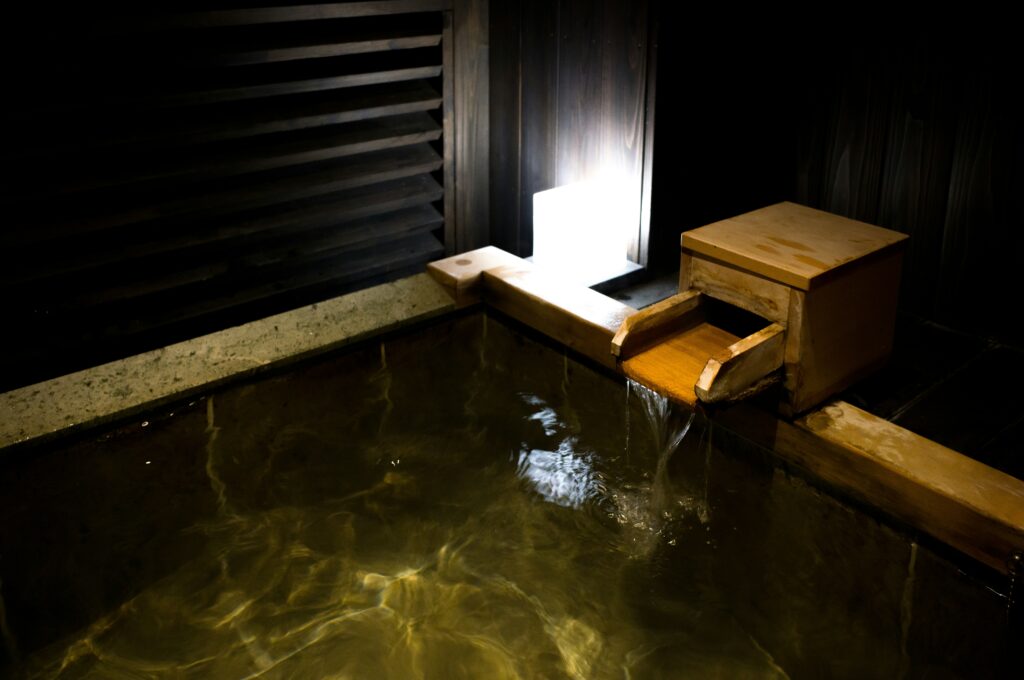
(832, 282)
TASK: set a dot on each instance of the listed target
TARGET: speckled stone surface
(146, 380)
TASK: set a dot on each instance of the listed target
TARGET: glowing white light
(582, 230)
(563, 477)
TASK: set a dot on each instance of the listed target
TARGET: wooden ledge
(461, 275)
(966, 504)
(578, 317)
(653, 323)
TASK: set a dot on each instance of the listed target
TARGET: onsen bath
(449, 494)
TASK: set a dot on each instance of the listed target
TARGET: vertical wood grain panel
(448, 65)
(919, 132)
(472, 122)
(574, 106)
(539, 102)
(602, 90)
(505, 123)
(638, 249)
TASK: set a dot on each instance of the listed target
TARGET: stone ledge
(144, 381)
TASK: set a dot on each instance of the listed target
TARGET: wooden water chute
(819, 292)
(675, 348)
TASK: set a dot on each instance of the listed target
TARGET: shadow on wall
(909, 130)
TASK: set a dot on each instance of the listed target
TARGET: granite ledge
(144, 381)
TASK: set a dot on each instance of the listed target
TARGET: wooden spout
(672, 348)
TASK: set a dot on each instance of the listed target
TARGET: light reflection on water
(527, 567)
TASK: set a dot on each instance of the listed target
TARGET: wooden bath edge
(965, 504)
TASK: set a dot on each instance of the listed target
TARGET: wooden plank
(232, 121)
(470, 77)
(296, 113)
(217, 233)
(273, 53)
(577, 317)
(289, 87)
(601, 92)
(673, 367)
(462, 275)
(235, 291)
(238, 156)
(961, 502)
(451, 217)
(655, 322)
(372, 168)
(790, 243)
(375, 229)
(640, 253)
(756, 294)
(538, 102)
(505, 124)
(745, 366)
(271, 15)
(846, 331)
(685, 271)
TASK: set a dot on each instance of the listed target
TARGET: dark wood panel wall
(569, 102)
(914, 129)
(922, 132)
(169, 172)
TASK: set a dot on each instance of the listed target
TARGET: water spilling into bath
(651, 508)
(492, 532)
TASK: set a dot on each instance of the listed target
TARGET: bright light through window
(581, 231)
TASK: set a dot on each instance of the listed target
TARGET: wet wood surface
(673, 367)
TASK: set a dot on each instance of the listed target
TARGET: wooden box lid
(790, 243)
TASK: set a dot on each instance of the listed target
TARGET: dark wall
(172, 171)
(569, 101)
(915, 130)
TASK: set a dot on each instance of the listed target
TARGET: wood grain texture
(539, 100)
(961, 502)
(640, 252)
(232, 158)
(318, 180)
(212, 170)
(742, 365)
(756, 294)
(208, 241)
(448, 125)
(685, 271)
(790, 243)
(124, 132)
(273, 15)
(271, 54)
(574, 104)
(655, 322)
(673, 367)
(506, 125)
(577, 317)
(461, 275)
(846, 330)
(471, 102)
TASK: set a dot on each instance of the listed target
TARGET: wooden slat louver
(171, 172)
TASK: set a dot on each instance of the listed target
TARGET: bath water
(491, 538)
